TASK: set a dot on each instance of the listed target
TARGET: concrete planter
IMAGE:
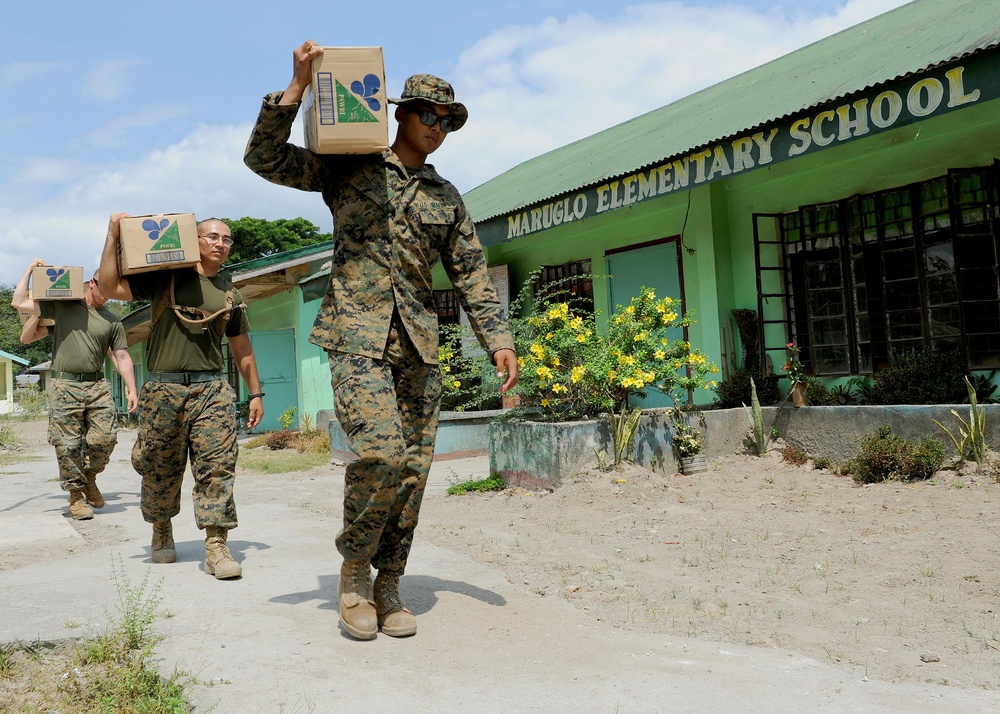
(542, 454)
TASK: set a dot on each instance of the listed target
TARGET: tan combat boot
(218, 560)
(357, 608)
(78, 507)
(162, 550)
(394, 619)
(93, 493)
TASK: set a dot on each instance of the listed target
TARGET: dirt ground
(893, 581)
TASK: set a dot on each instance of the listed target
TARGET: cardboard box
(23, 317)
(165, 240)
(345, 109)
(57, 282)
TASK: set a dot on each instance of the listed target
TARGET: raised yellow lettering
(765, 146)
(956, 88)
(886, 108)
(859, 124)
(915, 102)
(818, 136)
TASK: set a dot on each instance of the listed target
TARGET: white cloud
(19, 72)
(118, 132)
(108, 80)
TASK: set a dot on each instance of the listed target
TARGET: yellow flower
(576, 323)
(581, 338)
(456, 384)
(520, 362)
(445, 369)
(577, 373)
(544, 372)
(659, 354)
(538, 351)
(555, 362)
(549, 336)
(558, 388)
(545, 402)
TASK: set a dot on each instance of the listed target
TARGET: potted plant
(687, 444)
(796, 373)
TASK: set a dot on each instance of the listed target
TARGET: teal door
(652, 266)
(276, 365)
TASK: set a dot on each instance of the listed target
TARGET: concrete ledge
(460, 435)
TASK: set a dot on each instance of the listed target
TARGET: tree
(10, 333)
(257, 238)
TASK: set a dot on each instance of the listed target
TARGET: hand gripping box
(56, 282)
(166, 240)
(345, 109)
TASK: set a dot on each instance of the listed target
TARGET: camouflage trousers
(82, 428)
(178, 421)
(389, 410)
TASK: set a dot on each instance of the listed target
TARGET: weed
(8, 439)
(494, 483)
(823, 463)
(794, 455)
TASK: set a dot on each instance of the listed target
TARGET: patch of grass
(823, 463)
(279, 462)
(493, 483)
(109, 673)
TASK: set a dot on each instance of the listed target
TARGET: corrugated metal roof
(913, 37)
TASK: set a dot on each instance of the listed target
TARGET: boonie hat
(436, 91)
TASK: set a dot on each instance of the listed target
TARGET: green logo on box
(350, 110)
(166, 234)
(60, 280)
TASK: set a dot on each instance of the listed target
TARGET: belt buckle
(187, 379)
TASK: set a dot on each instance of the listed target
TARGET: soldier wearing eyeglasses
(187, 404)
(394, 217)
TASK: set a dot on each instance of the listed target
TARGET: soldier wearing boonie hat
(435, 90)
(394, 217)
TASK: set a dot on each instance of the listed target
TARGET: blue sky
(145, 106)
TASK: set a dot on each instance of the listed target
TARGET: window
(448, 311)
(875, 275)
(574, 279)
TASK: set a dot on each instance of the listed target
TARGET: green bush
(884, 456)
(816, 392)
(735, 391)
(277, 440)
(32, 400)
(921, 377)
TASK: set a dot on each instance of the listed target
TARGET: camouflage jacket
(390, 229)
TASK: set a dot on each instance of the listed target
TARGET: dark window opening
(872, 276)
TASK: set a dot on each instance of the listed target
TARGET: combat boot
(357, 608)
(394, 619)
(162, 549)
(94, 496)
(218, 560)
(78, 507)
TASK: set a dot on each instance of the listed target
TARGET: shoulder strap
(165, 299)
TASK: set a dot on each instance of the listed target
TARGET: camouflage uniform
(378, 321)
(180, 419)
(82, 425)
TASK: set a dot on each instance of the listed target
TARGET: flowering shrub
(569, 368)
(793, 368)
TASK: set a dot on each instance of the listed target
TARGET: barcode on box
(164, 256)
(324, 97)
(58, 293)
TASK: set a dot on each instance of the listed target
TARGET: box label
(60, 283)
(166, 235)
(338, 104)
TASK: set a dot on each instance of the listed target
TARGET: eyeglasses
(429, 118)
(213, 238)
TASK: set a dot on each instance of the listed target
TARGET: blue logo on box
(367, 89)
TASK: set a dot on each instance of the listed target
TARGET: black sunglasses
(429, 118)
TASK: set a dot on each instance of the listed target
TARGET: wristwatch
(251, 397)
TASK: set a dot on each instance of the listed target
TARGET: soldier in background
(393, 217)
(82, 414)
(187, 405)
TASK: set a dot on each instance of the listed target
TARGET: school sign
(896, 104)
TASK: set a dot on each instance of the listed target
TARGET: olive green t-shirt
(81, 334)
(177, 346)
